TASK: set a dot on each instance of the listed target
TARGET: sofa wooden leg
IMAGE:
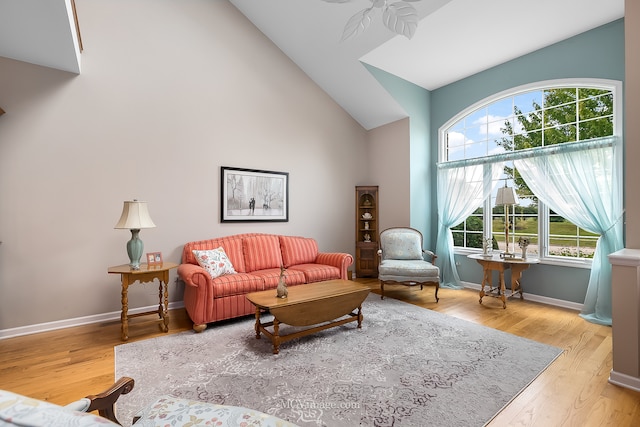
(199, 328)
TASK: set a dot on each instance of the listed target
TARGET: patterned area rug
(407, 366)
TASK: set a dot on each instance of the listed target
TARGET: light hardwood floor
(64, 365)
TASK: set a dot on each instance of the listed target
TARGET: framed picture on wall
(154, 258)
(251, 195)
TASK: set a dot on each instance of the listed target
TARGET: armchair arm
(432, 255)
(104, 402)
(336, 259)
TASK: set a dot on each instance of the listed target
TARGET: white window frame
(615, 86)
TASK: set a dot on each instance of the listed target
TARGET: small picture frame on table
(154, 258)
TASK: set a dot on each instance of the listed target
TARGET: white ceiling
(41, 32)
(454, 39)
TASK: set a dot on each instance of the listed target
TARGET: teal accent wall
(422, 152)
(598, 53)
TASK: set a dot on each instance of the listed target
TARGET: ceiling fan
(397, 15)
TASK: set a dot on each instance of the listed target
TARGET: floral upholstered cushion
(176, 412)
(401, 244)
(215, 261)
(18, 410)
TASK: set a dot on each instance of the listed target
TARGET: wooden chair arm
(104, 402)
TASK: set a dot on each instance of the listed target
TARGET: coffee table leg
(276, 336)
(360, 317)
(257, 323)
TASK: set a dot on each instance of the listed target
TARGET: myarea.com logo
(319, 404)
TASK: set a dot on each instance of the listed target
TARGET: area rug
(407, 366)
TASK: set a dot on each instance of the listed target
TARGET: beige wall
(169, 92)
(389, 160)
(632, 124)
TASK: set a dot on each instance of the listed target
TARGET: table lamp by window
(506, 197)
(135, 216)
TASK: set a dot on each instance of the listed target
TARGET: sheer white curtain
(584, 187)
(461, 190)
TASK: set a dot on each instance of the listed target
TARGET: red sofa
(256, 258)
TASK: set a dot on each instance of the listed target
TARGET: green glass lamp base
(134, 249)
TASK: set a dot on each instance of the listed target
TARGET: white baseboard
(624, 380)
(78, 321)
(537, 298)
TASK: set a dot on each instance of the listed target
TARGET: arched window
(533, 120)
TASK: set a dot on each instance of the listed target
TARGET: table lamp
(506, 197)
(135, 216)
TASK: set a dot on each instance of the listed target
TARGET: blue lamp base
(134, 249)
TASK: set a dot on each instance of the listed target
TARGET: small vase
(524, 253)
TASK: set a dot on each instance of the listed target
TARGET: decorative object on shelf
(367, 203)
(281, 290)
(524, 242)
(506, 197)
(487, 246)
(250, 195)
(135, 216)
(398, 16)
(366, 225)
(367, 215)
(367, 237)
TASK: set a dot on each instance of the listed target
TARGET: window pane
(527, 102)
(560, 96)
(560, 115)
(560, 134)
(596, 107)
(567, 239)
(596, 128)
(502, 108)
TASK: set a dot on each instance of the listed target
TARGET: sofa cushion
(261, 252)
(271, 277)
(215, 261)
(298, 250)
(400, 270)
(236, 284)
(317, 272)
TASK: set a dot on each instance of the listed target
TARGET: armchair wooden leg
(381, 290)
(104, 402)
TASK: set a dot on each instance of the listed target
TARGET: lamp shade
(135, 216)
(506, 196)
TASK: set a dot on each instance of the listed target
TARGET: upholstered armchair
(401, 260)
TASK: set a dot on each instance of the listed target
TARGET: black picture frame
(253, 195)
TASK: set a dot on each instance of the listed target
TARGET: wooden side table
(146, 273)
(495, 263)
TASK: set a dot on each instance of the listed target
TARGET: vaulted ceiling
(454, 39)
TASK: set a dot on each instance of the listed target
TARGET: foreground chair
(402, 261)
(18, 410)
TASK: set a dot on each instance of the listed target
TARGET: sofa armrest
(193, 275)
(336, 259)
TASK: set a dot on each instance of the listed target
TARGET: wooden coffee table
(308, 305)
